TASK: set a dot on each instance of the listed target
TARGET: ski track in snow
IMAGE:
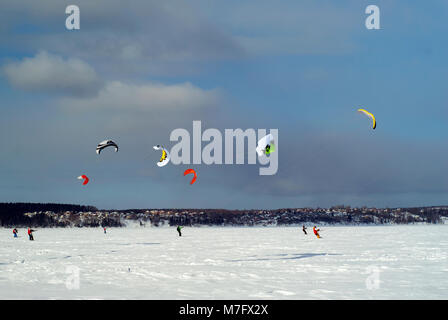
(368, 262)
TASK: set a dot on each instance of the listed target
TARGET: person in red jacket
(15, 232)
(316, 231)
(30, 233)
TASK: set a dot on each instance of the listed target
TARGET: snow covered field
(378, 262)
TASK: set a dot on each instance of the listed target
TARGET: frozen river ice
(367, 262)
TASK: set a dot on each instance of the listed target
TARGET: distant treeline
(293, 216)
(69, 215)
(12, 214)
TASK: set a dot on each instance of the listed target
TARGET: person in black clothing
(30, 233)
(304, 229)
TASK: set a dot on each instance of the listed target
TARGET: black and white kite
(105, 144)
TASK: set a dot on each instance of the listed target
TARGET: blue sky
(303, 67)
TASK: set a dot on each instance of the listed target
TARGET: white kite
(266, 145)
(165, 156)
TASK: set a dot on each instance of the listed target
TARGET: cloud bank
(117, 95)
(52, 74)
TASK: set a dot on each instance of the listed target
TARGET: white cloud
(51, 73)
(116, 95)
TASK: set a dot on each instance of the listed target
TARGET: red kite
(86, 180)
(188, 171)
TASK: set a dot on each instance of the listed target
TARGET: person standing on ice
(304, 229)
(15, 232)
(30, 233)
(316, 231)
(178, 230)
(104, 230)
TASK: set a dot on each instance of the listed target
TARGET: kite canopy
(371, 116)
(84, 177)
(188, 171)
(165, 156)
(104, 144)
(266, 145)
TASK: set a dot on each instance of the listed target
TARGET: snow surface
(375, 262)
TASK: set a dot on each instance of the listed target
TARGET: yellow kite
(371, 116)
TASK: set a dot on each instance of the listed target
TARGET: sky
(133, 73)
